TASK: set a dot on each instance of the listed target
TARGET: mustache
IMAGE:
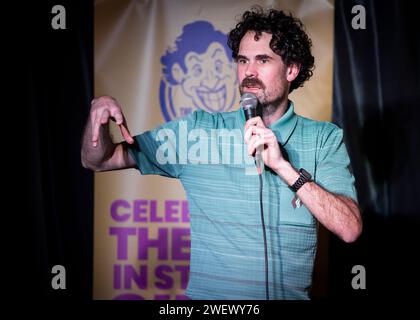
(252, 82)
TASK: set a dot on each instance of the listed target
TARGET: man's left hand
(257, 135)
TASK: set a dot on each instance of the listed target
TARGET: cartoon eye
(197, 70)
(218, 66)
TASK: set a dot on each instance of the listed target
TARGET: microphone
(249, 104)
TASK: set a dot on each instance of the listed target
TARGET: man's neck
(271, 113)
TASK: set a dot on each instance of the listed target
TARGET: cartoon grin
(213, 99)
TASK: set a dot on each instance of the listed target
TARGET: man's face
(260, 70)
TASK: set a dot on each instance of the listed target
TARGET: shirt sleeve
(161, 151)
(333, 171)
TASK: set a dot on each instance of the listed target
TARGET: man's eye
(241, 61)
(263, 61)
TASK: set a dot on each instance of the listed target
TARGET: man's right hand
(102, 110)
(99, 152)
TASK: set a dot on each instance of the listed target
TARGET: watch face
(306, 174)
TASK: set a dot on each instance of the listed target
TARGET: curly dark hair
(289, 40)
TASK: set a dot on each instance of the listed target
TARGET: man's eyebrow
(257, 57)
(262, 57)
(239, 56)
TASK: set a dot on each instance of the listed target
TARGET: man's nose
(251, 70)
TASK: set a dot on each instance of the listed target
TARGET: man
(306, 178)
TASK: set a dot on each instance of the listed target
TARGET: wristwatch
(304, 177)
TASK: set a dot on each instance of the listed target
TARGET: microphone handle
(251, 113)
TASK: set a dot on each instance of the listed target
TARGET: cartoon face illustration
(209, 78)
(198, 73)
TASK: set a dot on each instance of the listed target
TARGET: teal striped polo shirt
(207, 153)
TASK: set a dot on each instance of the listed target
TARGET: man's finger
(260, 142)
(254, 143)
(92, 117)
(118, 118)
(125, 133)
(250, 147)
(95, 131)
(248, 134)
(263, 132)
(254, 130)
(117, 115)
(255, 121)
(105, 117)
(92, 120)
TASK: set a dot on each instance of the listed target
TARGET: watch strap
(303, 178)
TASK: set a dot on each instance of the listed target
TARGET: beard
(270, 107)
(266, 105)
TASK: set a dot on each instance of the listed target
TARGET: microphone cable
(249, 104)
(267, 293)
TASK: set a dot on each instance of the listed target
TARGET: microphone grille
(249, 100)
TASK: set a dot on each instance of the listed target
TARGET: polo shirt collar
(283, 127)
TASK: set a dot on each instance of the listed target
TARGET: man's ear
(177, 73)
(292, 71)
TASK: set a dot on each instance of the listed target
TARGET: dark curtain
(57, 90)
(377, 103)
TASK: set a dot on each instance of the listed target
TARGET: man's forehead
(253, 37)
(249, 45)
